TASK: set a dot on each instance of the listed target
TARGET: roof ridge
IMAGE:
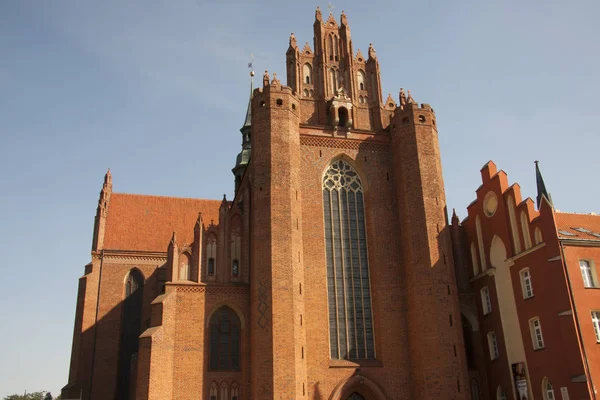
(166, 197)
(590, 214)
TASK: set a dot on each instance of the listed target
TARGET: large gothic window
(130, 331)
(224, 340)
(348, 283)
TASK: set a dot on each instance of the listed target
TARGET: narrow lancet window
(348, 281)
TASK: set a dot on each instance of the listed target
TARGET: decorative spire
(266, 78)
(372, 53)
(359, 56)
(344, 19)
(454, 216)
(402, 97)
(410, 99)
(248, 119)
(199, 219)
(293, 43)
(275, 81)
(318, 15)
(541, 187)
(389, 102)
(307, 49)
(174, 238)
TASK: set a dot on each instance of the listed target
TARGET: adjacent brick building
(329, 275)
(529, 294)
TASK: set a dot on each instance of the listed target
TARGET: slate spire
(243, 158)
(541, 187)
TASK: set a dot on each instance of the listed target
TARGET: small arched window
(333, 77)
(214, 390)
(547, 390)
(343, 117)
(224, 340)
(525, 229)
(236, 249)
(360, 78)
(211, 255)
(305, 92)
(307, 70)
(235, 391)
(500, 393)
(184, 267)
(512, 217)
(330, 47)
(537, 234)
(480, 243)
(224, 388)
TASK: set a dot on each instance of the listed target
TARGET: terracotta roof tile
(146, 223)
(578, 226)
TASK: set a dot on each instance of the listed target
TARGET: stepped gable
(146, 223)
(579, 226)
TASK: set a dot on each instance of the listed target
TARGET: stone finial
(344, 19)
(293, 42)
(359, 55)
(402, 97)
(306, 48)
(318, 15)
(389, 102)
(372, 53)
(410, 99)
(174, 238)
(275, 81)
(266, 78)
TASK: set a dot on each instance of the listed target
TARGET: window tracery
(348, 280)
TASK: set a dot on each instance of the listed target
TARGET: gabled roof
(578, 226)
(146, 223)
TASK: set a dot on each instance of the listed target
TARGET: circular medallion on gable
(490, 204)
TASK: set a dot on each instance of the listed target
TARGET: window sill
(487, 313)
(354, 363)
(529, 298)
(540, 349)
(591, 287)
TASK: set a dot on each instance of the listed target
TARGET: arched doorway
(355, 396)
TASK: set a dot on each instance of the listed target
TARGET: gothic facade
(329, 275)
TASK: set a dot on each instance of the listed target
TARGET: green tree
(43, 395)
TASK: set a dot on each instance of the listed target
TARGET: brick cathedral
(329, 275)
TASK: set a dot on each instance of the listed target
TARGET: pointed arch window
(184, 267)
(214, 390)
(307, 69)
(235, 391)
(224, 339)
(330, 47)
(525, 229)
(131, 319)
(236, 250)
(211, 255)
(360, 78)
(348, 281)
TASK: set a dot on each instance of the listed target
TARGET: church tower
(353, 292)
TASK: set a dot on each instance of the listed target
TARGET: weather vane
(330, 6)
(250, 66)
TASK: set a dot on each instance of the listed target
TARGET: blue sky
(157, 91)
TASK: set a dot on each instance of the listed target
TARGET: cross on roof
(330, 7)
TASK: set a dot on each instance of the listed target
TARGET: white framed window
(596, 323)
(536, 333)
(547, 390)
(486, 301)
(526, 284)
(493, 345)
(500, 393)
(587, 273)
